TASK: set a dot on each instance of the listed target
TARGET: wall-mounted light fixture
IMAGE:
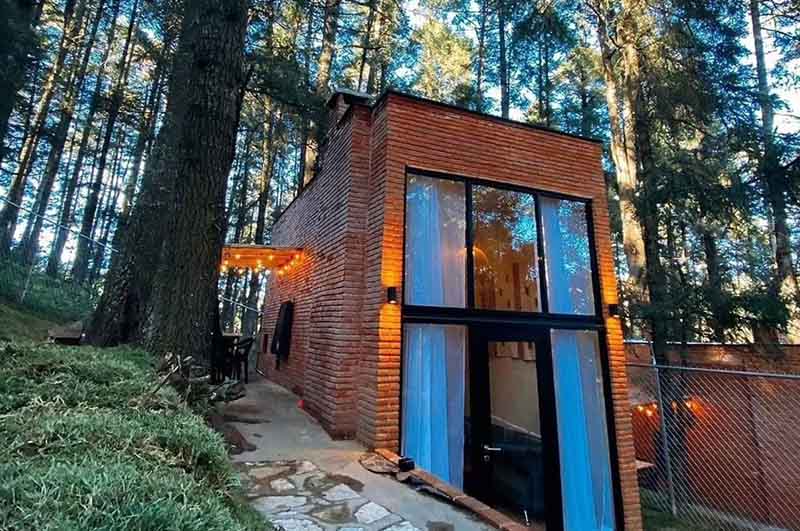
(391, 295)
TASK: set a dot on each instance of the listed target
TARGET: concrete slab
(295, 458)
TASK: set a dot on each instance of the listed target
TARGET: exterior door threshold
(459, 498)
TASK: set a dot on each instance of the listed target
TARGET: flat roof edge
(394, 92)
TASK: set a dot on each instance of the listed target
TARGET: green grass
(86, 443)
(21, 325)
(656, 519)
(48, 298)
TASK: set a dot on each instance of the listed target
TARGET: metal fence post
(665, 445)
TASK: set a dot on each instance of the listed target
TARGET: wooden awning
(237, 256)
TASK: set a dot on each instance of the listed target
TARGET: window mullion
(470, 276)
(540, 258)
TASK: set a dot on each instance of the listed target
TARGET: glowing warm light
(640, 408)
(689, 404)
(649, 413)
(238, 257)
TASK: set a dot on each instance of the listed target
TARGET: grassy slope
(20, 325)
(86, 444)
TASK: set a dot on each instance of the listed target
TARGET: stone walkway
(298, 496)
(301, 479)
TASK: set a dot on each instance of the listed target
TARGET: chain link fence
(716, 448)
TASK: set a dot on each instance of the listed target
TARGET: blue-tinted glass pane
(588, 497)
(435, 263)
(567, 256)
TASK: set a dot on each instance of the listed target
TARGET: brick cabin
(346, 350)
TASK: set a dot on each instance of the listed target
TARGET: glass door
(511, 446)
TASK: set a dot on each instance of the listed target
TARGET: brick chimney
(340, 101)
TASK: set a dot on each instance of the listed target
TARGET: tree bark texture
(623, 148)
(330, 28)
(161, 286)
(26, 9)
(171, 295)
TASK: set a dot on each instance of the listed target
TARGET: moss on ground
(88, 443)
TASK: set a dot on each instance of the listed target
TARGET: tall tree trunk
(584, 96)
(186, 301)
(713, 284)
(773, 175)
(65, 218)
(547, 85)
(108, 216)
(83, 254)
(268, 151)
(329, 31)
(366, 42)
(30, 242)
(304, 172)
(380, 45)
(17, 68)
(146, 131)
(330, 28)
(237, 203)
(183, 187)
(481, 62)
(503, 67)
(73, 20)
(623, 151)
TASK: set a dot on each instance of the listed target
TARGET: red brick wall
(353, 326)
(327, 221)
(443, 139)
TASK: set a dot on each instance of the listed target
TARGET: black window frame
(535, 322)
(470, 312)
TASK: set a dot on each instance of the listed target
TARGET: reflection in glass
(567, 258)
(517, 463)
(435, 265)
(504, 250)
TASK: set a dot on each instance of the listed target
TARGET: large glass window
(504, 250)
(433, 399)
(435, 264)
(567, 256)
(588, 499)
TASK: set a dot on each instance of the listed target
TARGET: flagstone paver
(370, 513)
(298, 496)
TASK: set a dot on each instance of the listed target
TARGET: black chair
(238, 359)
